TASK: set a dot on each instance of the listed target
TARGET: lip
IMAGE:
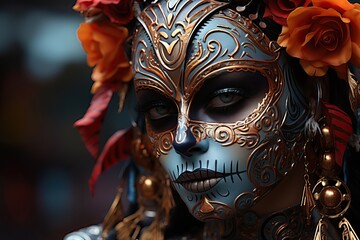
(200, 180)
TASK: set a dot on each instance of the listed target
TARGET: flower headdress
(322, 34)
(104, 35)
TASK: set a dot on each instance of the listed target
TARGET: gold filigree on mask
(213, 57)
(163, 143)
(219, 211)
(169, 26)
(245, 132)
(149, 71)
(249, 51)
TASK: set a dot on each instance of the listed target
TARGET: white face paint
(226, 122)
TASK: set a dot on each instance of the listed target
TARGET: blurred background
(45, 87)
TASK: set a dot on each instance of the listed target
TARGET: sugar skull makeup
(221, 105)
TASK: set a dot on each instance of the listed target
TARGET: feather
(312, 127)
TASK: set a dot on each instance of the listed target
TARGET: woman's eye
(225, 98)
(160, 111)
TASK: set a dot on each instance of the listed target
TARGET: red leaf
(116, 149)
(90, 124)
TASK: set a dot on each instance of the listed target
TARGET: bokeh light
(45, 87)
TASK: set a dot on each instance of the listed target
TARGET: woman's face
(220, 104)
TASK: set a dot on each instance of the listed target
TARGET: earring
(114, 215)
(321, 230)
(154, 197)
(312, 129)
(307, 199)
(332, 196)
(348, 232)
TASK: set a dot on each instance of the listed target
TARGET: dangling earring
(332, 198)
(348, 232)
(154, 187)
(331, 195)
(312, 129)
(154, 195)
(307, 199)
(321, 230)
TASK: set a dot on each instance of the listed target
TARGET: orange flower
(82, 5)
(279, 10)
(118, 11)
(104, 44)
(319, 37)
(339, 5)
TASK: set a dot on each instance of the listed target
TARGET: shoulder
(89, 233)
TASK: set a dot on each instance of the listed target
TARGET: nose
(188, 146)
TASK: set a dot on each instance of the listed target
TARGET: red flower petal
(116, 149)
(90, 124)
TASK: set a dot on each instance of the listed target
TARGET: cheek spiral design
(163, 143)
(274, 156)
(224, 135)
(270, 120)
(244, 201)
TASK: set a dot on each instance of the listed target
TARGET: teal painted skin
(248, 82)
(209, 154)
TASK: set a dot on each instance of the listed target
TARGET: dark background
(45, 87)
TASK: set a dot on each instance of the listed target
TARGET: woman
(248, 106)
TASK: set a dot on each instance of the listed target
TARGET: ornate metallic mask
(222, 107)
